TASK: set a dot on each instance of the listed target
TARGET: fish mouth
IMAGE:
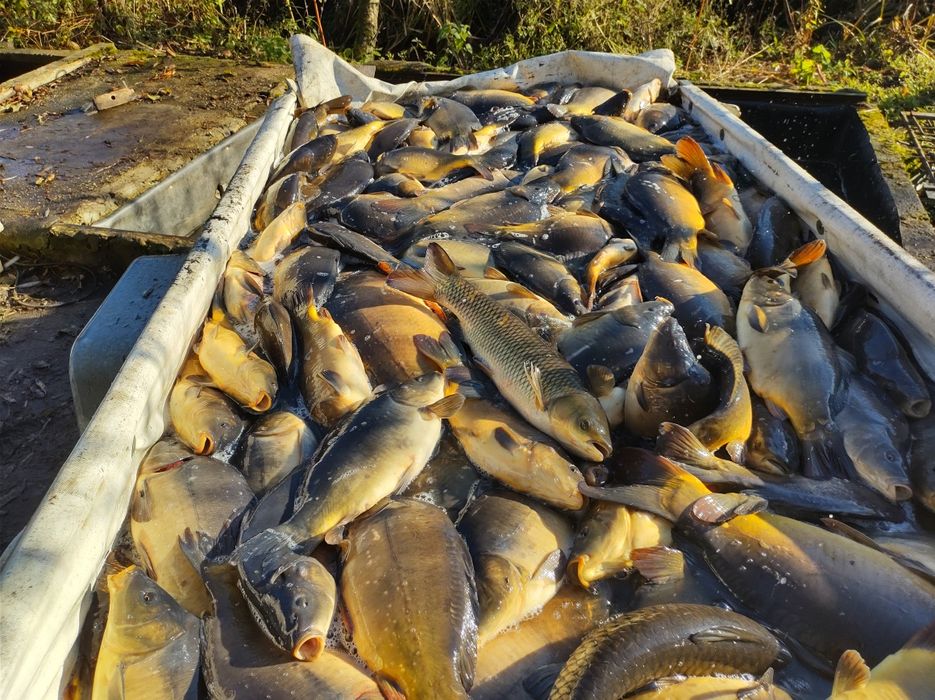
(263, 404)
(602, 448)
(919, 408)
(309, 647)
(576, 569)
(899, 492)
(206, 445)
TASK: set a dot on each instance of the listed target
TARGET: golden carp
(499, 443)
(243, 287)
(277, 444)
(668, 383)
(201, 494)
(607, 538)
(730, 424)
(237, 371)
(334, 381)
(202, 415)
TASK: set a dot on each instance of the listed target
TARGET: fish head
(580, 424)
(291, 596)
(421, 391)
(880, 464)
(769, 287)
(141, 613)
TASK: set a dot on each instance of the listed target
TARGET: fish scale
(491, 330)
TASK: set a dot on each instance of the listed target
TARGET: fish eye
(584, 425)
(148, 597)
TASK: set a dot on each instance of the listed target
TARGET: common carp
(519, 549)
(792, 573)
(150, 646)
(408, 587)
(630, 650)
(530, 374)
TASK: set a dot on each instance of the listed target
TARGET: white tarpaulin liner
(48, 574)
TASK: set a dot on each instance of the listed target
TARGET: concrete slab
(60, 163)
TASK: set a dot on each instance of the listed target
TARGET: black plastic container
(822, 132)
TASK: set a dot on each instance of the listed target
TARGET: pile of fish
(530, 393)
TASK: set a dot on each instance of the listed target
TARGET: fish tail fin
(418, 283)
(462, 143)
(851, 673)
(659, 564)
(721, 176)
(680, 444)
(808, 253)
(660, 487)
(678, 166)
(689, 253)
(690, 151)
(443, 352)
(824, 454)
(480, 166)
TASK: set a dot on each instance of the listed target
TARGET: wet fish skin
(616, 252)
(876, 438)
(659, 117)
(339, 182)
(281, 194)
(567, 236)
(334, 380)
(642, 98)
(921, 464)
(793, 364)
(668, 383)
(540, 138)
(529, 373)
(670, 212)
(276, 444)
(357, 468)
(639, 144)
(882, 357)
(452, 121)
(714, 688)
(503, 446)
(240, 663)
(391, 136)
(407, 584)
(730, 424)
(519, 549)
(630, 650)
(818, 290)
(584, 165)
(278, 234)
(233, 368)
(613, 339)
(777, 233)
(273, 326)
(728, 271)
(505, 663)
(906, 674)
(202, 415)
(773, 446)
(243, 287)
(543, 273)
(796, 586)
(310, 157)
(305, 277)
(201, 494)
(383, 323)
(607, 538)
(291, 596)
(395, 184)
(150, 646)
(427, 165)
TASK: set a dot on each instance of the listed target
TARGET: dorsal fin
(852, 673)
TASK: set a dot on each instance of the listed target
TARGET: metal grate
(921, 127)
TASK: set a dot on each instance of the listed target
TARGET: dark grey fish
(542, 273)
(305, 276)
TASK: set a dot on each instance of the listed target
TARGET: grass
(885, 51)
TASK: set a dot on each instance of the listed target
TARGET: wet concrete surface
(59, 163)
(86, 165)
